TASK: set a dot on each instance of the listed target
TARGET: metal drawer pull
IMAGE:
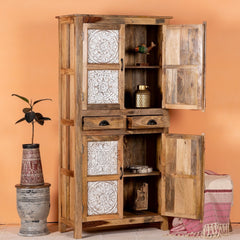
(152, 122)
(121, 173)
(104, 123)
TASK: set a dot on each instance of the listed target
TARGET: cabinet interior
(135, 75)
(141, 149)
(131, 184)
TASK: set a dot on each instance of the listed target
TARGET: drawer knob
(104, 123)
(152, 122)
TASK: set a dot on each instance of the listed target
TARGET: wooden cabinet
(103, 134)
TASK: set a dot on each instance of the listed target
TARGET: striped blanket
(218, 196)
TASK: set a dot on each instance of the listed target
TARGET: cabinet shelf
(141, 67)
(132, 214)
(129, 174)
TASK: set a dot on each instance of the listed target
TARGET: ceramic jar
(142, 97)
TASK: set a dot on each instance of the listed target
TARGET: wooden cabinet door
(183, 63)
(103, 70)
(182, 164)
(102, 177)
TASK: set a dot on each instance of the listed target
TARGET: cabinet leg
(164, 224)
(78, 232)
(62, 227)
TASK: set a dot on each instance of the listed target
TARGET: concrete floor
(10, 232)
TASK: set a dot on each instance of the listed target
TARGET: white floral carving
(103, 46)
(102, 157)
(102, 197)
(102, 86)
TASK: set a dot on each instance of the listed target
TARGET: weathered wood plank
(183, 156)
(67, 122)
(60, 226)
(123, 132)
(129, 174)
(103, 123)
(67, 172)
(121, 82)
(184, 187)
(130, 112)
(183, 67)
(120, 179)
(102, 106)
(128, 219)
(102, 66)
(172, 48)
(143, 122)
(182, 176)
(67, 71)
(78, 39)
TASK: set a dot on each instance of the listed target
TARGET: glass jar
(142, 97)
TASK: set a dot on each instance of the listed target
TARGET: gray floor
(10, 232)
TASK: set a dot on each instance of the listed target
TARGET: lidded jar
(142, 97)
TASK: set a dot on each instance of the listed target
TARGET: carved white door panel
(103, 54)
(102, 177)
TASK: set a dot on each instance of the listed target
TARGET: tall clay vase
(31, 174)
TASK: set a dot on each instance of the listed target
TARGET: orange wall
(29, 63)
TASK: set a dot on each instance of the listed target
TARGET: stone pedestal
(33, 204)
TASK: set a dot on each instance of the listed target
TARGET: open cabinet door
(182, 176)
(183, 63)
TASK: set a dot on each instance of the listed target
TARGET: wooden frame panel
(183, 62)
(115, 66)
(67, 132)
(100, 178)
(182, 164)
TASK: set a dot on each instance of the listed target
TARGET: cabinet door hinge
(82, 149)
(82, 96)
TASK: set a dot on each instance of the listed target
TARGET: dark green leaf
(41, 122)
(25, 110)
(20, 120)
(29, 116)
(38, 118)
(23, 98)
(46, 118)
(37, 101)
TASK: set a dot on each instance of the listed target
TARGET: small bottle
(142, 97)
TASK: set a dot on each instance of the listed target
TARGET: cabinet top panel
(120, 19)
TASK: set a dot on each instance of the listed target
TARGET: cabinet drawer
(141, 122)
(103, 123)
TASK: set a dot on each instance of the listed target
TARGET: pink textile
(217, 207)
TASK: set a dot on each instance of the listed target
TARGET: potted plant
(31, 173)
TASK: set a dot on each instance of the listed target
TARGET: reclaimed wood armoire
(102, 133)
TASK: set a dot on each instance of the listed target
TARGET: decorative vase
(31, 166)
(33, 204)
(142, 97)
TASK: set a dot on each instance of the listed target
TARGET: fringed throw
(218, 197)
